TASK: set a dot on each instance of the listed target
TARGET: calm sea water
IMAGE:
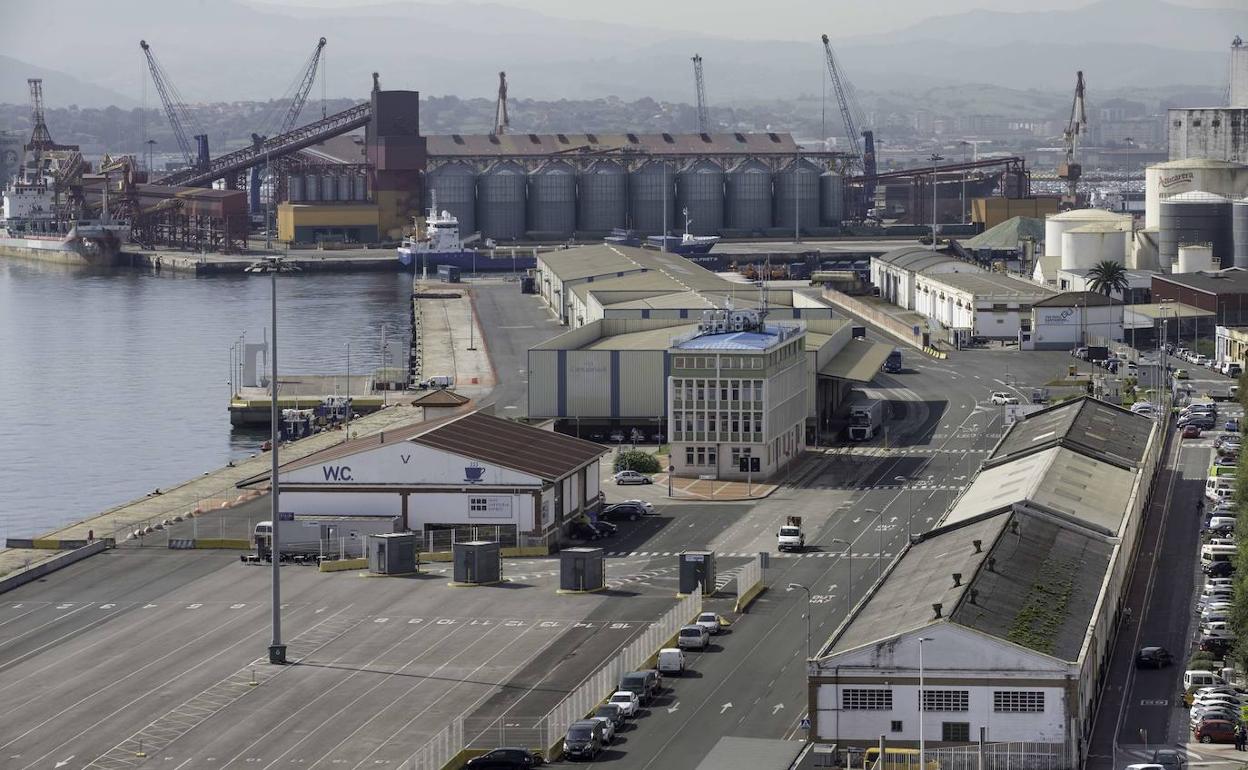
(115, 383)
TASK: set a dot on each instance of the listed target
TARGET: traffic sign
(285, 515)
(805, 724)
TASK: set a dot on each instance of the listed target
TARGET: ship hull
(465, 260)
(93, 253)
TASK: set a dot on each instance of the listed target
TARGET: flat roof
(858, 361)
(753, 341)
(1159, 310)
(1232, 280)
(1089, 492)
(650, 339)
(1094, 428)
(919, 258)
(1077, 299)
(571, 145)
(990, 284)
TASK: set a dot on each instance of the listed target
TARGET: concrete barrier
(53, 544)
(342, 565)
(746, 599)
(52, 565)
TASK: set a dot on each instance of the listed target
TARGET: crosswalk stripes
(750, 555)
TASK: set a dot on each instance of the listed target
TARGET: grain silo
(797, 196)
(1057, 224)
(500, 201)
(454, 188)
(1193, 259)
(1239, 231)
(747, 191)
(647, 185)
(1165, 180)
(1192, 219)
(552, 201)
(602, 197)
(294, 188)
(700, 196)
(831, 199)
(1085, 246)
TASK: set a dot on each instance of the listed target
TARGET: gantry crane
(853, 117)
(1070, 169)
(704, 118)
(501, 121)
(298, 92)
(175, 109)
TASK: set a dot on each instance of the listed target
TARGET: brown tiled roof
(545, 454)
(440, 397)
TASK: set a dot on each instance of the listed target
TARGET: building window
(710, 456)
(895, 725)
(946, 700)
(688, 455)
(866, 700)
(1018, 701)
(955, 732)
(999, 307)
(477, 504)
(701, 455)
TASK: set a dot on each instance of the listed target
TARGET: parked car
(693, 638)
(1201, 727)
(614, 712)
(1191, 431)
(581, 530)
(608, 728)
(1181, 374)
(710, 621)
(632, 477)
(1226, 461)
(628, 510)
(1153, 657)
(1001, 398)
(1231, 424)
(672, 661)
(647, 507)
(584, 740)
(1170, 759)
(627, 700)
(617, 436)
(645, 683)
(505, 759)
(1219, 569)
(606, 528)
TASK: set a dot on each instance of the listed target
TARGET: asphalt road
(512, 323)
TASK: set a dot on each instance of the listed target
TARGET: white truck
(790, 536)
(866, 417)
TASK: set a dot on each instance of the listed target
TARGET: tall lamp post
(922, 742)
(800, 587)
(849, 591)
(879, 528)
(903, 481)
(277, 650)
(935, 158)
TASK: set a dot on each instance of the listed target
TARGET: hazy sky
(747, 19)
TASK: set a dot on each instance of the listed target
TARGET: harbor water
(115, 382)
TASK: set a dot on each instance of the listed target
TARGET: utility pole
(797, 195)
(935, 158)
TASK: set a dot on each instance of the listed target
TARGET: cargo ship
(436, 241)
(30, 229)
(686, 245)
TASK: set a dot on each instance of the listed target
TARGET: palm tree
(1108, 277)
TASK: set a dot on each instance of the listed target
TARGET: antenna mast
(704, 118)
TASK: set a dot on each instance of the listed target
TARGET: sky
(741, 19)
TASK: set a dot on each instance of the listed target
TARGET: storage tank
(1144, 251)
(1195, 218)
(312, 187)
(794, 180)
(1056, 224)
(454, 187)
(646, 185)
(500, 201)
(1164, 180)
(747, 191)
(359, 184)
(602, 197)
(345, 187)
(294, 188)
(552, 201)
(1194, 258)
(1083, 247)
(700, 195)
(329, 187)
(1239, 231)
(831, 199)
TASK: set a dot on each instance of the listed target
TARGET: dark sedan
(505, 759)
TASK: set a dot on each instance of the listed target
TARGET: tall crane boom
(175, 109)
(501, 121)
(40, 137)
(842, 100)
(704, 118)
(853, 117)
(1070, 169)
(305, 86)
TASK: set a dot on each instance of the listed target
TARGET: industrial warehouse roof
(858, 361)
(677, 300)
(1158, 310)
(990, 284)
(649, 339)
(1026, 579)
(772, 334)
(1088, 492)
(1086, 425)
(476, 435)
(916, 260)
(1232, 280)
(1076, 299)
(572, 145)
(1007, 235)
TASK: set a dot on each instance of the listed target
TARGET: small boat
(621, 236)
(687, 244)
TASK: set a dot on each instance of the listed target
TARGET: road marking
(774, 709)
(65, 761)
(672, 709)
(725, 707)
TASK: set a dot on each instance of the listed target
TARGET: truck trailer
(866, 417)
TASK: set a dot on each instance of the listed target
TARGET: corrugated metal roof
(572, 145)
(858, 361)
(991, 284)
(1094, 428)
(1232, 280)
(542, 453)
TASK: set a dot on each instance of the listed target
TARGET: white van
(1219, 488)
(671, 661)
(1201, 679)
(1214, 553)
(438, 381)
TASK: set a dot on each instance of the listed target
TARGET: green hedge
(637, 460)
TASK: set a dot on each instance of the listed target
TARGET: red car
(1215, 731)
(1191, 431)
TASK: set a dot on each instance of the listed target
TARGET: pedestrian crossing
(745, 555)
(879, 451)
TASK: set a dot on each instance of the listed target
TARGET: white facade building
(989, 305)
(1071, 319)
(895, 272)
(459, 472)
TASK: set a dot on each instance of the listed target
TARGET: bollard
(140, 752)
(253, 681)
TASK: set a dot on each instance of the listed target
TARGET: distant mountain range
(240, 51)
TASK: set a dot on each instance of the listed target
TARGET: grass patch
(1042, 615)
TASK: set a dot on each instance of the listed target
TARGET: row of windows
(744, 423)
(1003, 701)
(721, 390)
(950, 732)
(700, 455)
(724, 362)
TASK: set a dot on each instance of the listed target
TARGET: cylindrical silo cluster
(501, 192)
(294, 188)
(552, 201)
(1239, 231)
(831, 199)
(453, 189)
(646, 186)
(797, 196)
(700, 196)
(602, 197)
(747, 196)
(1056, 225)
(312, 188)
(1195, 218)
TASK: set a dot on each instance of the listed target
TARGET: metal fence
(1015, 755)
(435, 754)
(749, 576)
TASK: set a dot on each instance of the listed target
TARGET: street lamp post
(800, 587)
(347, 428)
(879, 528)
(935, 158)
(909, 505)
(922, 742)
(277, 650)
(849, 590)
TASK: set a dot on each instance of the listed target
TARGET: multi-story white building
(737, 388)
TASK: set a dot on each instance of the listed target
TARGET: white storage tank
(1083, 247)
(1056, 224)
(1194, 258)
(1164, 180)
(1144, 251)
